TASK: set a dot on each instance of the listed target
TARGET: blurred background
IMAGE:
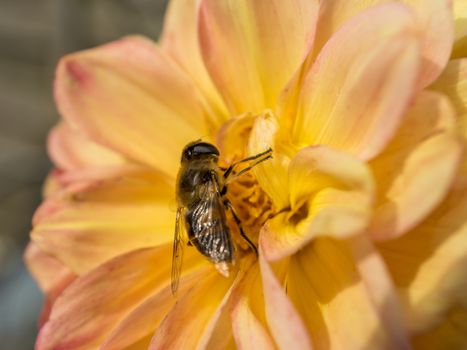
(34, 34)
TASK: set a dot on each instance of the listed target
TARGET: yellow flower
(360, 218)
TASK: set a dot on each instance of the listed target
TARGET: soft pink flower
(360, 218)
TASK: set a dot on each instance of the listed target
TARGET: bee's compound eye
(204, 148)
(199, 150)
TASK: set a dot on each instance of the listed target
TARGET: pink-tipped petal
(71, 150)
(51, 275)
(433, 20)
(141, 323)
(252, 48)
(95, 303)
(285, 324)
(248, 315)
(128, 96)
(356, 92)
(48, 272)
(84, 227)
(435, 24)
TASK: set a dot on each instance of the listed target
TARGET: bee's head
(199, 150)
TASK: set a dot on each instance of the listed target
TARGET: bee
(202, 206)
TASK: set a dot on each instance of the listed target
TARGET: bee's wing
(210, 226)
(177, 253)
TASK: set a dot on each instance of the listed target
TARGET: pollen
(252, 205)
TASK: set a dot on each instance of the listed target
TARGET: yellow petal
(190, 323)
(429, 264)
(141, 322)
(180, 40)
(334, 14)
(331, 194)
(460, 25)
(453, 82)
(334, 300)
(357, 90)
(252, 48)
(130, 97)
(425, 151)
(284, 322)
(380, 290)
(248, 317)
(85, 227)
(95, 303)
(318, 167)
(249, 333)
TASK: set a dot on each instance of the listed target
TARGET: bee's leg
(239, 225)
(261, 157)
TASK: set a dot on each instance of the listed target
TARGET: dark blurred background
(33, 35)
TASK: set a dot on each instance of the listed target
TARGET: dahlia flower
(359, 218)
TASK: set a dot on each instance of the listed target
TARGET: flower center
(252, 205)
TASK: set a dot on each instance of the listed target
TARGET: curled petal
(425, 151)
(126, 95)
(272, 174)
(331, 194)
(357, 90)
(90, 224)
(233, 136)
(318, 167)
(252, 48)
